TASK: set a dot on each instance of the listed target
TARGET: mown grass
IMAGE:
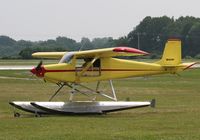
(176, 116)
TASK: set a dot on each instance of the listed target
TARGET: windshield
(67, 57)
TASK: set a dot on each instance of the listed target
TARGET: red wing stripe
(129, 50)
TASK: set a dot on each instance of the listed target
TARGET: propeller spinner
(38, 70)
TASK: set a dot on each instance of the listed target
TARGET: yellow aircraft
(75, 68)
(100, 64)
(78, 67)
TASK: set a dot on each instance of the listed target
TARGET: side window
(93, 70)
(80, 63)
(97, 63)
(67, 58)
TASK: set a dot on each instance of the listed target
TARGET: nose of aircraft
(33, 70)
(39, 72)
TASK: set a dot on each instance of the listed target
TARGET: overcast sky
(47, 19)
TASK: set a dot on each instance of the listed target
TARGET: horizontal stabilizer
(191, 65)
(195, 66)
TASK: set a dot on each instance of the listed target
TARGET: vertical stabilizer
(172, 53)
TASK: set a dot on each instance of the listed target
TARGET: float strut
(56, 92)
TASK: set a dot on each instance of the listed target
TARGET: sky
(47, 19)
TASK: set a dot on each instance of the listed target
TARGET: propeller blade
(39, 66)
(38, 70)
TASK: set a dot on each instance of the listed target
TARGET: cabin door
(93, 70)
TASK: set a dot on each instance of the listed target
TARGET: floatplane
(75, 68)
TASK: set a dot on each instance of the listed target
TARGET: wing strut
(62, 85)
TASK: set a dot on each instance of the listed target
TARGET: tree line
(149, 35)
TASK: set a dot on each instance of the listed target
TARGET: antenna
(80, 47)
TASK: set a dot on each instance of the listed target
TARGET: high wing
(110, 52)
(53, 55)
(107, 52)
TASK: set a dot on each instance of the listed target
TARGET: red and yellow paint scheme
(102, 64)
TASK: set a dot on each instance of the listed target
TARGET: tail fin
(172, 53)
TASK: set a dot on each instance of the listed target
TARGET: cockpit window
(67, 57)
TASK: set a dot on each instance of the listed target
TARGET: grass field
(176, 116)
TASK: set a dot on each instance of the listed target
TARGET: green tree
(104, 42)
(26, 53)
(86, 44)
(193, 39)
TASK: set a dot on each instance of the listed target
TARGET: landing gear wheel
(16, 114)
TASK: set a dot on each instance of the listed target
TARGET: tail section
(171, 59)
(172, 53)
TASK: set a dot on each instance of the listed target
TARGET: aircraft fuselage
(109, 68)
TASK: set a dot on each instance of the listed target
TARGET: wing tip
(129, 50)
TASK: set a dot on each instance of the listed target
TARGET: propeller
(39, 66)
(38, 70)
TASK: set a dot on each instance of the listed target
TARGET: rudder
(172, 53)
